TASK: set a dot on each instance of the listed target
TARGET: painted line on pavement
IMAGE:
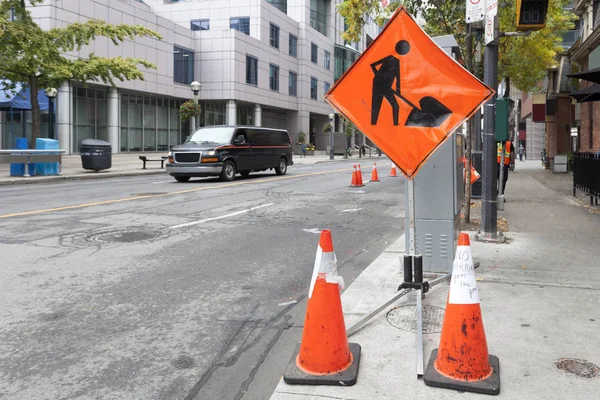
(219, 217)
(105, 202)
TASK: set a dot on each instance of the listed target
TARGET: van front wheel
(228, 172)
(281, 167)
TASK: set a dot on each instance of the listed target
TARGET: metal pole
(331, 123)
(194, 121)
(51, 117)
(489, 213)
(411, 217)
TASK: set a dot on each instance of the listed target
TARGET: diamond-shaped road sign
(406, 94)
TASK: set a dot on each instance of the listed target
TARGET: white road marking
(233, 214)
(156, 183)
(352, 210)
(287, 303)
(313, 230)
(356, 191)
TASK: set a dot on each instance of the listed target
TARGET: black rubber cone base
(295, 376)
(490, 385)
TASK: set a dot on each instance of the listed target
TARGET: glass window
(327, 58)
(343, 59)
(281, 5)
(369, 40)
(326, 87)
(90, 115)
(273, 77)
(314, 53)
(318, 15)
(293, 46)
(241, 24)
(215, 114)
(183, 71)
(251, 70)
(245, 115)
(200, 24)
(314, 84)
(274, 36)
(293, 84)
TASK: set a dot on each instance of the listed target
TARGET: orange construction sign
(406, 94)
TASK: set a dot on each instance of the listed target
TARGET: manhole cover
(130, 235)
(149, 194)
(405, 318)
(577, 367)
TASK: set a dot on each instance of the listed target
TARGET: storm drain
(405, 318)
(129, 235)
(577, 367)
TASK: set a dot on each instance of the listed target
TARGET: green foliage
(523, 60)
(301, 137)
(189, 109)
(327, 127)
(37, 58)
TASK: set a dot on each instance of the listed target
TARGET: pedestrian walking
(509, 157)
(521, 152)
(303, 149)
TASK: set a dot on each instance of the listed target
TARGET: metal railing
(27, 157)
(586, 175)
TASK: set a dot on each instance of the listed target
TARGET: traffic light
(531, 14)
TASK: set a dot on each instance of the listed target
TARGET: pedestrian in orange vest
(509, 156)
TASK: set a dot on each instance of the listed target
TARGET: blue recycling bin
(47, 168)
(19, 169)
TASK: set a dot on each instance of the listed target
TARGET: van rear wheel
(281, 167)
(228, 172)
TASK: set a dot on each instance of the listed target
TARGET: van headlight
(209, 153)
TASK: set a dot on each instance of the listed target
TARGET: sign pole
(489, 212)
(412, 251)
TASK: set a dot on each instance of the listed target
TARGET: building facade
(263, 63)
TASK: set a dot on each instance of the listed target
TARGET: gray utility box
(439, 197)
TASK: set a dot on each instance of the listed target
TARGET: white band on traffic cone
(325, 263)
(463, 285)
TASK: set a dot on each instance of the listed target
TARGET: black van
(225, 151)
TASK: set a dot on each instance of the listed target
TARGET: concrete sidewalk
(127, 165)
(539, 298)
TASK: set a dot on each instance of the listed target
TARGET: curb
(52, 179)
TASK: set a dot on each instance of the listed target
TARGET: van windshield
(212, 134)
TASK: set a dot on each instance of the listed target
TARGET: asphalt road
(145, 288)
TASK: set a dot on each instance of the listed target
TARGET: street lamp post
(51, 93)
(331, 122)
(196, 87)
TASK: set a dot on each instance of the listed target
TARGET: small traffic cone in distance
(359, 175)
(324, 357)
(374, 174)
(462, 361)
(393, 171)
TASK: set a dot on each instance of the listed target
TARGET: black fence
(586, 174)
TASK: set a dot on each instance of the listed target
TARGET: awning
(20, 99)
(591, 93)
(592, 75)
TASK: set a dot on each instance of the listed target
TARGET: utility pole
(489, 211)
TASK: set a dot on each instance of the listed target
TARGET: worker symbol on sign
(386, 85)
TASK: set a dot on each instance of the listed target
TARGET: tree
(38, 59)
(523, 62)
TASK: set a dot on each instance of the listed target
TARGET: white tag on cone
(463, 285)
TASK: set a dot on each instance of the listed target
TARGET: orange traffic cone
(462, 361)
(393, 171)
(359, 176)
(324, 357)
(374, 174)
(354, 182)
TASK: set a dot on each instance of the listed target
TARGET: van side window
(239, 134)
(281, 138)
(260, 137)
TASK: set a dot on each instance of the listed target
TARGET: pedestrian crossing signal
(531, 14)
